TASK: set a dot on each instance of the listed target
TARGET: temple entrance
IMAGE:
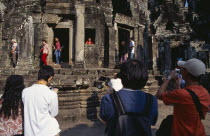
(177, 53)
(63, 35)
(124, 35)
(64, 32)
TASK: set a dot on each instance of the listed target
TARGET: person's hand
(172, 74)
(55, 90)
(177, 80)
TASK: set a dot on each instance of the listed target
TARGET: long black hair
(12, 97)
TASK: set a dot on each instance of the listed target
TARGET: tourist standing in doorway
(45, 51)
(14, 52)
(11, 107)
(124, 52)
(58, 49)
(41, 106)
(131, 48)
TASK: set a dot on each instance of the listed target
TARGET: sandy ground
(96, 128)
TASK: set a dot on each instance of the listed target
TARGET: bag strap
(148, 105)
(196, 102)
(117, 103)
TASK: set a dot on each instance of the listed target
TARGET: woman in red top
(57, 48)
(89, 41)
(11, 107)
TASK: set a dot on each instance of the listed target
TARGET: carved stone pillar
(71, 44)
(80, 30)
(154, 52)
(26, 45)
(111, 47)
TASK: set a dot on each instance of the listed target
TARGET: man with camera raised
(190, 103)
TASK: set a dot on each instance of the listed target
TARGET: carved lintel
(50, 18)
(122, 19)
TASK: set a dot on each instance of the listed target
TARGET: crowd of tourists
(126, 110)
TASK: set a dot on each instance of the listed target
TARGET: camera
(51, 88)
(177, 71)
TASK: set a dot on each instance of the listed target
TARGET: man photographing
(41, 106)
(187, 116)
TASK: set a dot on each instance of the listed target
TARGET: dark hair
(44, 41)
(45, 73)
(134, 74)
(12, 97)
(202, 80)
(194, 78)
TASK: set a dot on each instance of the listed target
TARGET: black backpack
(129, 123)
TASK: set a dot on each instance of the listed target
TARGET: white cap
(116, 84)
(14, 40)
(194, 66)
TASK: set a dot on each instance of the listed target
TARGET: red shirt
(58, 46)
(186, 117)
(89, 42)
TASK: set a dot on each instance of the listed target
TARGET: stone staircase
(80, 90)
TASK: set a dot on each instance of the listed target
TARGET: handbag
(166, 125)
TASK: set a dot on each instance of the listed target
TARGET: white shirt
(132, 46)
(40, 108)
(14, 46)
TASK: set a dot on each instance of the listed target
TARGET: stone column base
(79, 65)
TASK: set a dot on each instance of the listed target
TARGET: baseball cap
(194, 66)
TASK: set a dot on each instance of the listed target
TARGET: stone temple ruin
(163, 30)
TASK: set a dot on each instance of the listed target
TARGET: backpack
(130, 123)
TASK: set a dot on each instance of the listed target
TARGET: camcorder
(178, 71)
(172, 85)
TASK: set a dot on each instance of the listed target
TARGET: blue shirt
(133, 101)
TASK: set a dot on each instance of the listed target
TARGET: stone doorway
(177, 53)
(124, 35)
(64, 31)
(63, 35)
